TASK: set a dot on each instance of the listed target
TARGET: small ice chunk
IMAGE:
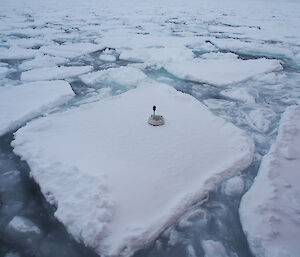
(213, 249)
(260, 119)
(107, 58)
(221, 72)
(241, 94)
(234, 186)
(191, 251)
(23, 225)
(54, 73)
(30, 100)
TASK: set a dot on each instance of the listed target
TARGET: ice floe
(41, 61)
(54, 73)
(30, 100)
(125, 76)
(221, 72)
(70, 50)
(157, 55)
(135, 179)
(270, 210)
(17, 53)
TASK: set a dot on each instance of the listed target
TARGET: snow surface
(223, 71)
(42, 61)
(32, 99)
(158, 55)
(16, 53)
(118, 182)
(126, 76)
(54, 73)
(270, 210)
(70, 50)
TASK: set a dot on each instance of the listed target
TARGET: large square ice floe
(270, 210)
(117, 181)
(19, 104)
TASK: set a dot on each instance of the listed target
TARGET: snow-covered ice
(221, 72)
(125, 76)
(30, 100)
(16, 53)
(158, 55)
(54, 73)
(70, 50)
(270, 209)
(42, 61)
(119, 205)
(147, 37)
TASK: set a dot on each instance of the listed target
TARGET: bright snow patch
(30, 100)
(117, 181)
(23, 225)
(53, 73)
(270, 210)
(221, 72)
(125, 76)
